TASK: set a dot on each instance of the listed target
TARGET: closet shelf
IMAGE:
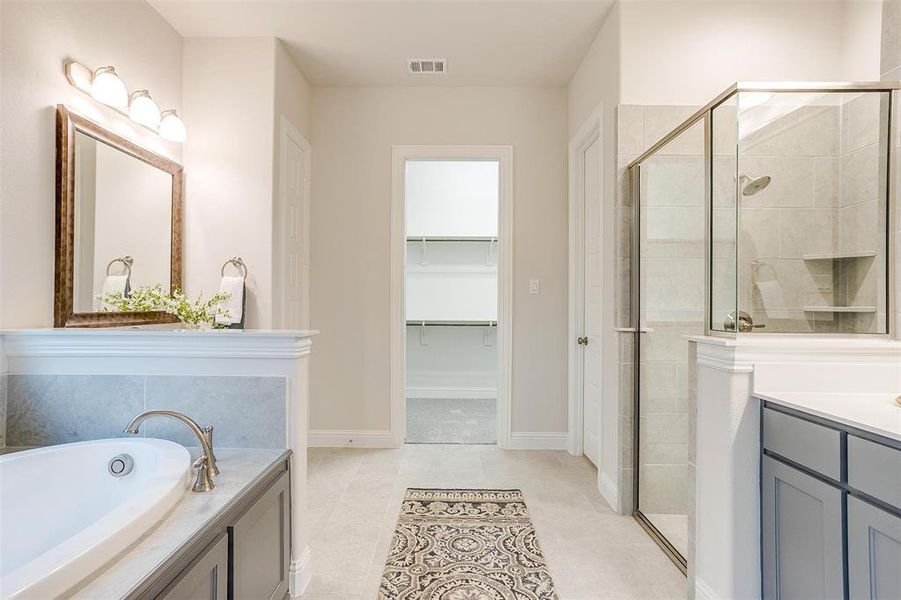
(460, 238)
(840, 309)
(429, 323)
(840, 255)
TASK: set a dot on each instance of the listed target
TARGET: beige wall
(37, 37)
(688, 52)
(236, 90)
(353, 132)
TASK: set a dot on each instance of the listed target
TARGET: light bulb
(171, 127)
(109, 89)
(142, 109)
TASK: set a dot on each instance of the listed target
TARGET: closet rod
(452, 323)
(427, 238)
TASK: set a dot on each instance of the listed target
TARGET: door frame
(397, 300)
(591, 131)
(289, 133)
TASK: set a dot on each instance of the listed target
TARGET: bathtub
(63, 515)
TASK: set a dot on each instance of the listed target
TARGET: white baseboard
(466, 393)
(538, 440)
(704, 591)
(300, 573)
(333, 438)
(609, 491)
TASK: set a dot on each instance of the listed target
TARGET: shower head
(752, 185)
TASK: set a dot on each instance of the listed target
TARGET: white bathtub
(63, 516)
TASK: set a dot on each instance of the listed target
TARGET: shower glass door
(669, 304)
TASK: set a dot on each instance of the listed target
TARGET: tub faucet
(206, 464)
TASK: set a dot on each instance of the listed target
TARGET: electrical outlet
(534, 286)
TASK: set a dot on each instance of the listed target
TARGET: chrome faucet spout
(206, 464)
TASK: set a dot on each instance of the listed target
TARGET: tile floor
(355, 494)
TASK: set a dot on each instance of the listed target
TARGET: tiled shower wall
(824, 198)
(246, 412)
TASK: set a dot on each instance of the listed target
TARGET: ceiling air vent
(427, 65)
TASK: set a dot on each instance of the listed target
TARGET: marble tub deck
(240, 469)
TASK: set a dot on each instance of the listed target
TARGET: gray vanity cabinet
(242, 554)
(830, 509)
(874, 552)
(206, 578)
(261, 546)
(802, 535)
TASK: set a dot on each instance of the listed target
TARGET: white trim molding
(538, 440)
(704, 591)
(397, 317)
(300, 573)
(609, 490)
(334, 438)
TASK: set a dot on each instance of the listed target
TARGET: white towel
(771, 295)
(113, 284)
(234, 306)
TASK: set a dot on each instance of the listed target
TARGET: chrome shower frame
(705, 115)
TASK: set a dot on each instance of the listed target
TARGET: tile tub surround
(246, 412)
(156, 352)
(241, 469)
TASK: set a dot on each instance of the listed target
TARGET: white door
(592, 278)
(293, 228)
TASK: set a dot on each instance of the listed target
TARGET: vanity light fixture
(143, 110)
(171, 127)
(109, 89)
(105, 86)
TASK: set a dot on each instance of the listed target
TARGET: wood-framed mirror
(118, 224)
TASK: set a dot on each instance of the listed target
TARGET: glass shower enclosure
(765, 212)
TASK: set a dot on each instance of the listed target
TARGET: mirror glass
(123, 223)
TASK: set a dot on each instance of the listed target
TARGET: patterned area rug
(465, 545)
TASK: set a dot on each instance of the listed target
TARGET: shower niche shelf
(840, 309)
(840, 255)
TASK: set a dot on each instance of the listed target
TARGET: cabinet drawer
(875, 470)
(816, 447)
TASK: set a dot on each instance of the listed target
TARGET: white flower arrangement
(195, 314)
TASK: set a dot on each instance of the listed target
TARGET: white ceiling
(486, 43)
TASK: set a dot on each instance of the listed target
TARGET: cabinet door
(261, 546)
(204, 579)
(802, 535)
(874, 552)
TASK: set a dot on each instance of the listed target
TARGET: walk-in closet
(451, 301)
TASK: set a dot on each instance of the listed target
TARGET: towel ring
(125, 260)
(238, 263)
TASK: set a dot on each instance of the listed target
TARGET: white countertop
(879, 414)
(240, 469)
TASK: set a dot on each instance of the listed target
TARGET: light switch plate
(534, 286)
